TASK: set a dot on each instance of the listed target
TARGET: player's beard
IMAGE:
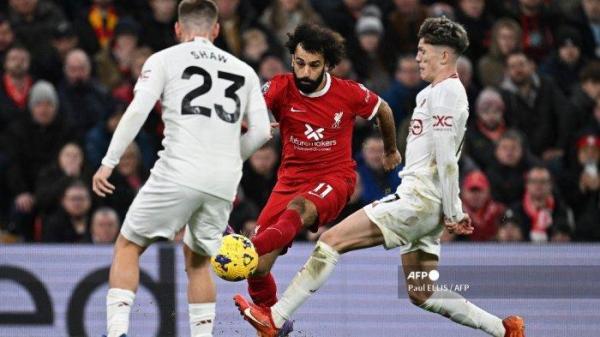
(306, 85)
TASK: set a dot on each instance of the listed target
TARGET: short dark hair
(317, 39)
(444, 32)
(512, 134)
(591, 72)
(198, 12)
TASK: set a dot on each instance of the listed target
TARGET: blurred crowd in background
(529, 167)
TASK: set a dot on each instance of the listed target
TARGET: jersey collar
(322, 91)
(202, 39)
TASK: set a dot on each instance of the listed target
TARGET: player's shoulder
(279, 81)
(344, 83)
(452, 84)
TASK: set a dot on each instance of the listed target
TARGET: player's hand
(24, 202)
(100, 183)
(463, 227)
(391, 160)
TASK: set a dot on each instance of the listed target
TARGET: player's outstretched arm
(129, 126)
(385, 120)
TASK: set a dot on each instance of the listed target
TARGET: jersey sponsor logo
(337, 119)
(296, 110)
(321, 145)
(415, 127)
(311, 133)
(441, 122)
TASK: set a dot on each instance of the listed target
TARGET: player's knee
(418, 298)
(306, 209)
(333, 240)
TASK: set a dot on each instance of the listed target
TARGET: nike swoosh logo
(296, 110)
(248, 314)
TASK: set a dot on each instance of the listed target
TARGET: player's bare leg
(202, 293)
(450, 304)
(300, 213)
(354, 232)
(123, 283)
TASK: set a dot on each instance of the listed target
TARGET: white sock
(308, 280)
(457, 308)
(118, 307)
(202, 318)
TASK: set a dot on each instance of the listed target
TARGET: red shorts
(329, 194)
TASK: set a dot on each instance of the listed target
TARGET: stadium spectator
(96, 25)
(32, 22)
(64, 39)
(54, 178)
(581, 188)
(506, 173)
(585, 97)
(98, 139)
(260, 174)
(124, 91)
(283, 16)
(403, 24)
(586, 19)
(254, 46)
(376, 182)
(565, 63)
(368, 60)
(113, 64)
(537, 21)
(510, 230)
(15, 86)
(344, 70)
(464, 67)
(342, 19)
(235, 17)
(69, 224)
(536, 106)
(486, 214)
(104, 226)
(7, 37)
(127, 178)
(540, 211)
(32, 143)
(83, 100)
(403, 89)
(473, 15)
(506, 39)
(270, 65)
(157, 25)
(481, 139)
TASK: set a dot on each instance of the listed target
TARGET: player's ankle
(277, 318)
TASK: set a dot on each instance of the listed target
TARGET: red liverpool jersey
(316, 129)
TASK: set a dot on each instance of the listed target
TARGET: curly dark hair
(445, 32)
(317, 39)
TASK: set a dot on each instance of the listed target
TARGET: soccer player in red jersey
(316, 113)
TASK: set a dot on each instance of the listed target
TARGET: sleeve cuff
(109, 163)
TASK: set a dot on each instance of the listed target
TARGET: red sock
(280, 234)
(263, 290)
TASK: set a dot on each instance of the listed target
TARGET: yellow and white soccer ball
(236, 259)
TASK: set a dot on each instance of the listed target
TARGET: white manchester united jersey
(205, 92)
(436, 134)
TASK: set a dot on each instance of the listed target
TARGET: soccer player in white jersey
(413, 217)
(205, 93)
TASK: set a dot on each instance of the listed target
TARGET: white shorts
(162, 208)
(408, 219)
